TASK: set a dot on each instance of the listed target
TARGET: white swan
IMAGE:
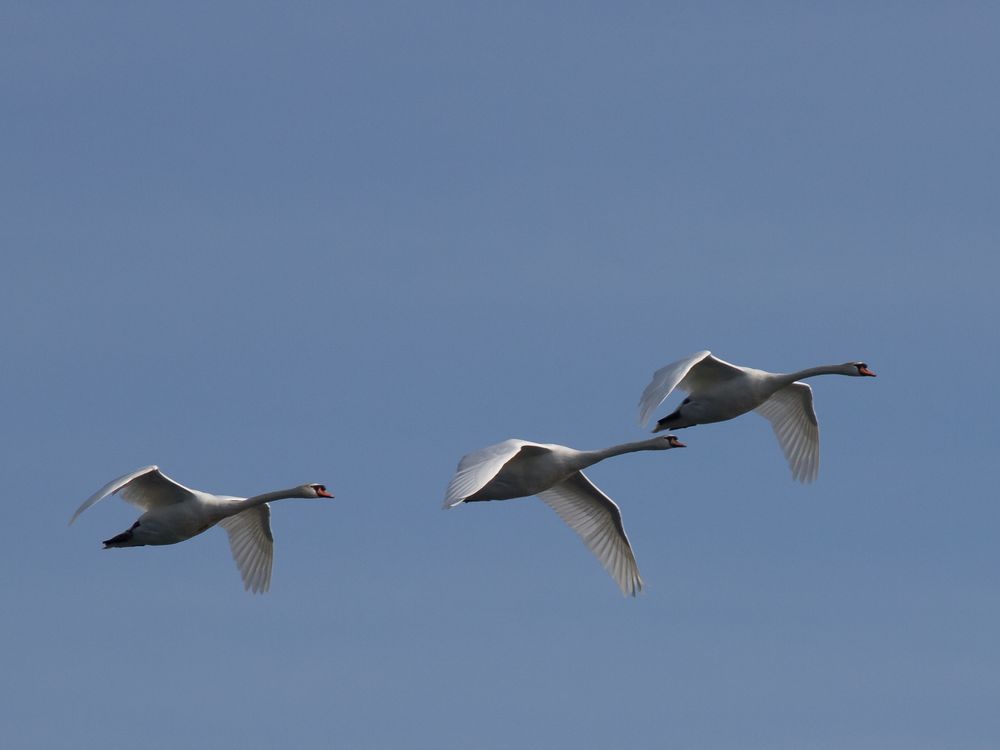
(518, 468)
(174, 513)
(718, 391)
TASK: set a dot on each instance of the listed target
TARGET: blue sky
(261, 244)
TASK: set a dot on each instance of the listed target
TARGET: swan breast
(173, 523)
(527, 473)
(726, 400)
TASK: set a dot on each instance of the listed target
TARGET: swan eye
(320, 488)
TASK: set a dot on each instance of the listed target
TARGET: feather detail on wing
(791, 414)
(700, 370)
(479, 467)
(253, 546)
(146, 488)
(663, 383)
(598, 520)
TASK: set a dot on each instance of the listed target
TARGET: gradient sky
(261, 244)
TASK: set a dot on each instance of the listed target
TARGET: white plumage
(173, 513)
(718, 391)
(518, 468)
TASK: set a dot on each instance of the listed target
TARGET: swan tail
(669, 422)
(121, 540)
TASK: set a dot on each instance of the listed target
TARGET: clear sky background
(261, 244)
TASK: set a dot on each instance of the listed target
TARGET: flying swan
(718, 391)
(173, 513)
(518, 468)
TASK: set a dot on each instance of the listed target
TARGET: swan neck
(812, 372)
(589, 458)
(253, 502)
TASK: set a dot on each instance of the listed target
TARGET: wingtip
(634, 590)
(252, 587)
(806, 477)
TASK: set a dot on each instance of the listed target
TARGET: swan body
(519, 468)
(718, 390)
(174, 513)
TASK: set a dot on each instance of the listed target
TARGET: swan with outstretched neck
(518, 468)
(174, 513)
(718, 391)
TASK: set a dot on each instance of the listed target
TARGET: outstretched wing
(791, 414)
(598, 520)
(477, 468)
(145, 488)
(253, 546)
(689, 374)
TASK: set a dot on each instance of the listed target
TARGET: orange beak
(323, 493)
(866, 371)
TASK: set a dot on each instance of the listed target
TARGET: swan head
(312, 491)
(859, 368)
(671, 441)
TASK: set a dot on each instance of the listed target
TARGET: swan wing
(598, 520)
(146, 488)
(479, 467)
(700, 370)
(793, 418)
(253, 546)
